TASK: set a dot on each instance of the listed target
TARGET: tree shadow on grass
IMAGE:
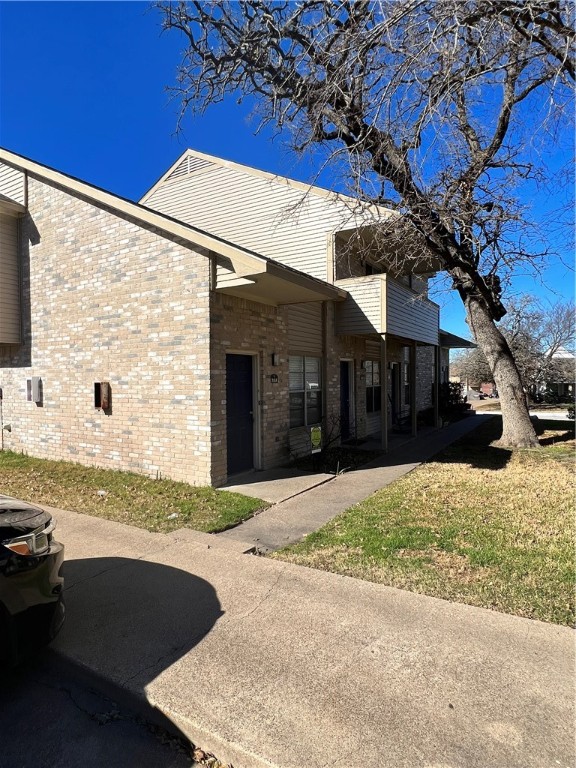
(477, 457)
(563, 431)
(476, 448)
(478, 451)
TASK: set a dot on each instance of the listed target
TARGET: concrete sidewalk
(304, 508)
(270, 664)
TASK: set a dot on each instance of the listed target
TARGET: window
(373, 386)
(372, 269)
(305, 385)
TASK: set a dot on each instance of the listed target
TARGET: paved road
(53, 717)
(542, 415)
(552, 416)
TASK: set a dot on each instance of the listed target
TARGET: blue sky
(83, 90)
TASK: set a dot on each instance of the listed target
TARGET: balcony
(377, 304)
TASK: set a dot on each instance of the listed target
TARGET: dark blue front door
(239, 413)
(344, 399)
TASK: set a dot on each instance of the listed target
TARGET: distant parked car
(31, 582)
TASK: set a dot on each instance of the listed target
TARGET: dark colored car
(31, 583)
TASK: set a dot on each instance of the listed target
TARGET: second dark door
(239, 413)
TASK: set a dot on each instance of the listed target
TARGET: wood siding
(265, 215)
(410, 316)
(362, 311)
(372, 350)
(12, 183)
(378, 304)
(305, 328)
(9, 281)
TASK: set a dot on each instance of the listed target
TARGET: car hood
(18, 517)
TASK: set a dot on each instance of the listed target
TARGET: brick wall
(241, 326)
(245, 327)
(106, 300)
(424, 377)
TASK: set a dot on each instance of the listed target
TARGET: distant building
(560, 384)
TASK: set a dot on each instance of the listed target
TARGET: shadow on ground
(475, 448)
(56, 715)
(132, 619)
(477, 456)
(565, 436)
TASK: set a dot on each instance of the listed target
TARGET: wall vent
(190, 165)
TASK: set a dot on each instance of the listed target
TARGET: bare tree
(471, 368)
(536, 333)
(439, 109)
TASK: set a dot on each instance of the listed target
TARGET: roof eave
(245, 263)
(451, 341)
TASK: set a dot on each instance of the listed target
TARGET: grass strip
(125, 497)
(478, 524)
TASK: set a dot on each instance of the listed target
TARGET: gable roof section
(245, 261)
(193, 161)
(286, 220)
(563, 354)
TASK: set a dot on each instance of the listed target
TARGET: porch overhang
(451, 341)
(11, 207)
(275, 284)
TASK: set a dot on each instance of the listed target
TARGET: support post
(413, 415)
(384, 393)
(324, 368)
(436, 402)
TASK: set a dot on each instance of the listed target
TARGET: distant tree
(441, 110)
(536, 333)
(471, 368)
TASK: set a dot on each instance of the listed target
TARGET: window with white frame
(305, 385)
(373, 386)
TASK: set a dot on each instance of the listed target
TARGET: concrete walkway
(305, 501)
(271, 665)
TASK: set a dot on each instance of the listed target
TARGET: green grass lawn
(479, 525)
(157, 505)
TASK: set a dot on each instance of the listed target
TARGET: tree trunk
(518, 431)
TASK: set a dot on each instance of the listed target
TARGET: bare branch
(437, 105)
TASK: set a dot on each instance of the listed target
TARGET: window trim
(373, 391)
(306, 390)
